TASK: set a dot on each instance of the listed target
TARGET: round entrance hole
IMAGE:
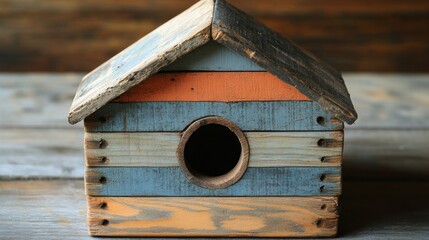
(213, 153)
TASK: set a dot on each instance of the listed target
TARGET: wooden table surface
(386, 164)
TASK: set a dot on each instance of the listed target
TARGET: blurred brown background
(78, 35)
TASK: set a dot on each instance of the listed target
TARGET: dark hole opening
(212, 150)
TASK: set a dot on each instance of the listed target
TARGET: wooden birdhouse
(213, 125)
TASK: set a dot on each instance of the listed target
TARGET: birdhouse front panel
(213, 130)
(215, 151)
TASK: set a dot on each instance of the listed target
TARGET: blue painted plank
(171, 181)
(213, 57)
(176, 116)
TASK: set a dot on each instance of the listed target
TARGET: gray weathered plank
(389, 101)
(147, 56)
(36, 100)
(41, 153)
(370, 211)
(171, 181)
(382, 154)
(213, 57)
(267, 149)
(176, 116)
(279, 56)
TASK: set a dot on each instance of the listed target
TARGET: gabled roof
(213, 20)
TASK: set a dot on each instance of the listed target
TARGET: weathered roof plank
(250, 38)
(144, 58)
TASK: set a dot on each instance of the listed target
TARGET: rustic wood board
(52, 153)
(267, 149)
(374, 154)
(214, 217)
(342, 32)
(171, 181)
(147, 56)
(250, 38)
(37, 100)
(398, 101)
(212, 57)
(212, 87)
(176, 116)
(369, 210)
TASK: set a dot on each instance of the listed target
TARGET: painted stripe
(171, 181)
(212, 87)
(213, 57)
(176, 116)
(213, 216)
(267, 149)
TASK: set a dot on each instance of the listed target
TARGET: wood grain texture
(171, 181)
(393, 101)
(366, 35)
(369, 210)
(36, 100)
(386, 154)
(212, 87)
(250, 38)
(47, 153)
(267, 149)
(147, 56)
(212, 57)
(214, 217)
(176, 116)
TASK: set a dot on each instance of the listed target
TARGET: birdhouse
(213, 125)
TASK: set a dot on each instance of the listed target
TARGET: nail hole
(104, 160)
(102, 119)
(319, 222)
(322, 188)
(321, 142)
(323, 159)
(192, 89)
(323, 207)
(173, 79)
(102, 143)
(322, 177)
(102, 180)
(321, 121)
(105, 222)
(103, 205)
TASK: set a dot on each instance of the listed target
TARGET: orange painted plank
(212, 87)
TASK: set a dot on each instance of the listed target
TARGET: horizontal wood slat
(176, 116)
(220, 217)
(365, 35)
(267, 149)
(212, 87)
(171, 181)
(213, 57)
